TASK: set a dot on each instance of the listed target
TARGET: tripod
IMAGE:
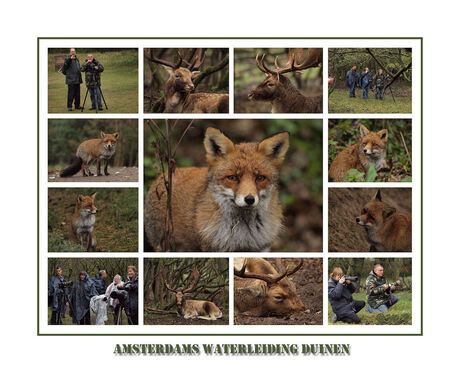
(94, 86)
(119, 316)
(62, 298)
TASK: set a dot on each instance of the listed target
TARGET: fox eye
(365, 143)
(260, 178)
(232, 178)
(363, 211)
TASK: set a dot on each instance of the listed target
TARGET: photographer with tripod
(379, 292)
(58, 296)
(340, 290)
(92, 69)
(131, 286)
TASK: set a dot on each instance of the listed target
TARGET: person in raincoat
(54, 293)
(99, 281)
(131, 286)
(352, 80)
(366, 79)
(82, 292)
(114, 304)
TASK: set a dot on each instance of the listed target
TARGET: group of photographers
(72, 71)
(77, 296)
(365, 81)
(378, 294)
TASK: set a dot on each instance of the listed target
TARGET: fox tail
(74, 167)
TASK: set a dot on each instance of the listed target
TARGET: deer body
(262, 290)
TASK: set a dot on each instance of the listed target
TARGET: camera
(351, 278)
(65, 284)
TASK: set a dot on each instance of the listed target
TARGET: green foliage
(119, 80)
(371, 174)
(354, 175)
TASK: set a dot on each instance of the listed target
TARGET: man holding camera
(55, 291)
(340, 290)
(378, 291)
(92, 69)
(71, 70)
(131, 286)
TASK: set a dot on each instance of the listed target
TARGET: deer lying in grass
(192, 309)
(262, 290)
(178, 89)
(278, 89)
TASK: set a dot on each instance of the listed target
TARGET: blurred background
(301, 173)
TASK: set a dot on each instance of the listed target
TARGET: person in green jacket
(93, 69)
(378, 291)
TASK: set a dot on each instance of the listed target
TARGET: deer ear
(363, 130)
(195, 74)
(93, 195)
(116, 134)
(216, 145)
(275, 146)
(102, 134)
(388, 212)
(378, 196)
(383, 134)
(170, 70)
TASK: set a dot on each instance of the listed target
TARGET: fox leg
(105, 167)
(83, 168)
(99, 167)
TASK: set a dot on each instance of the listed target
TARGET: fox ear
(388, 212)
(275, 146)
(378, 196)
(80, 198)
(216, 144)
(383, 134)
(115, 135)
(102, 134)
(93, 195)
(363, 130)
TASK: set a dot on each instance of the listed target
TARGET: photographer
(99, 281)
(379, 80)
(131, 286)
(82, 292)
(340, 296)
(55, 291)
(71, 70)
(114, 304)
(378, 291)
(92, 69)
(365, 79)
(352, 80)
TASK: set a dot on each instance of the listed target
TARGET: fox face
(85, 205)
(109, 140)
(375, 212)
(181, 78)
(373, 145)
(244, 175)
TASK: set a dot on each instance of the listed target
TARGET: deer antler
(164, 62)
(197, 59)
(196, 277)
(268, 278)
(164, 273)
(313, 58)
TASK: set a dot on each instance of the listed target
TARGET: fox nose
(364, 151)
(249, 199)
(358, 219)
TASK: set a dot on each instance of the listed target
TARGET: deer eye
(260, 178)
(177, 76)
(278, 297)
(270, 84)
(232, 177)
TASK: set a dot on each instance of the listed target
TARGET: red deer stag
(178, 89)
(278, 89)
(192, 309)
(262, 290)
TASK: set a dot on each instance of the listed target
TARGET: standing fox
(82, 224)
(90, 151)
(372, 149)
(232, 205)
(386, 229)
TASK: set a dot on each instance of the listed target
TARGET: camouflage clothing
(379, 80)
(92, 76)
(375, 290)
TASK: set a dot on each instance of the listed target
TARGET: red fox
(82, 224)
(232, 205)
(387, 230)
(90, 151)
(372, 149)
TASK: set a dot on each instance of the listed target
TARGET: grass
(399, 314)
(116, 221)
(340, 102)
(118, 83)
(110, 318)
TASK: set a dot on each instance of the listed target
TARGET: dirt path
(117, 174)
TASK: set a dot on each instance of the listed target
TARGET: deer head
(275, 80)
(180, 294)
(269, 292)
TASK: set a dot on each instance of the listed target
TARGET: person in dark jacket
(379, 81)
(340, 296)
(93, 69)
(71, 70)
(58, 306)
(365, 79)
(352, 80)
(82, 292)
(99, 282)
(131, 286)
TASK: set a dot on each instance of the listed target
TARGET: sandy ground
(117, 174)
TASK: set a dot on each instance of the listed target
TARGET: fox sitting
(387, 230)
(83, 220)
(372, 149)
(232, 205)
(98, 150)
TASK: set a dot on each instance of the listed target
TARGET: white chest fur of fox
(85, 224)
